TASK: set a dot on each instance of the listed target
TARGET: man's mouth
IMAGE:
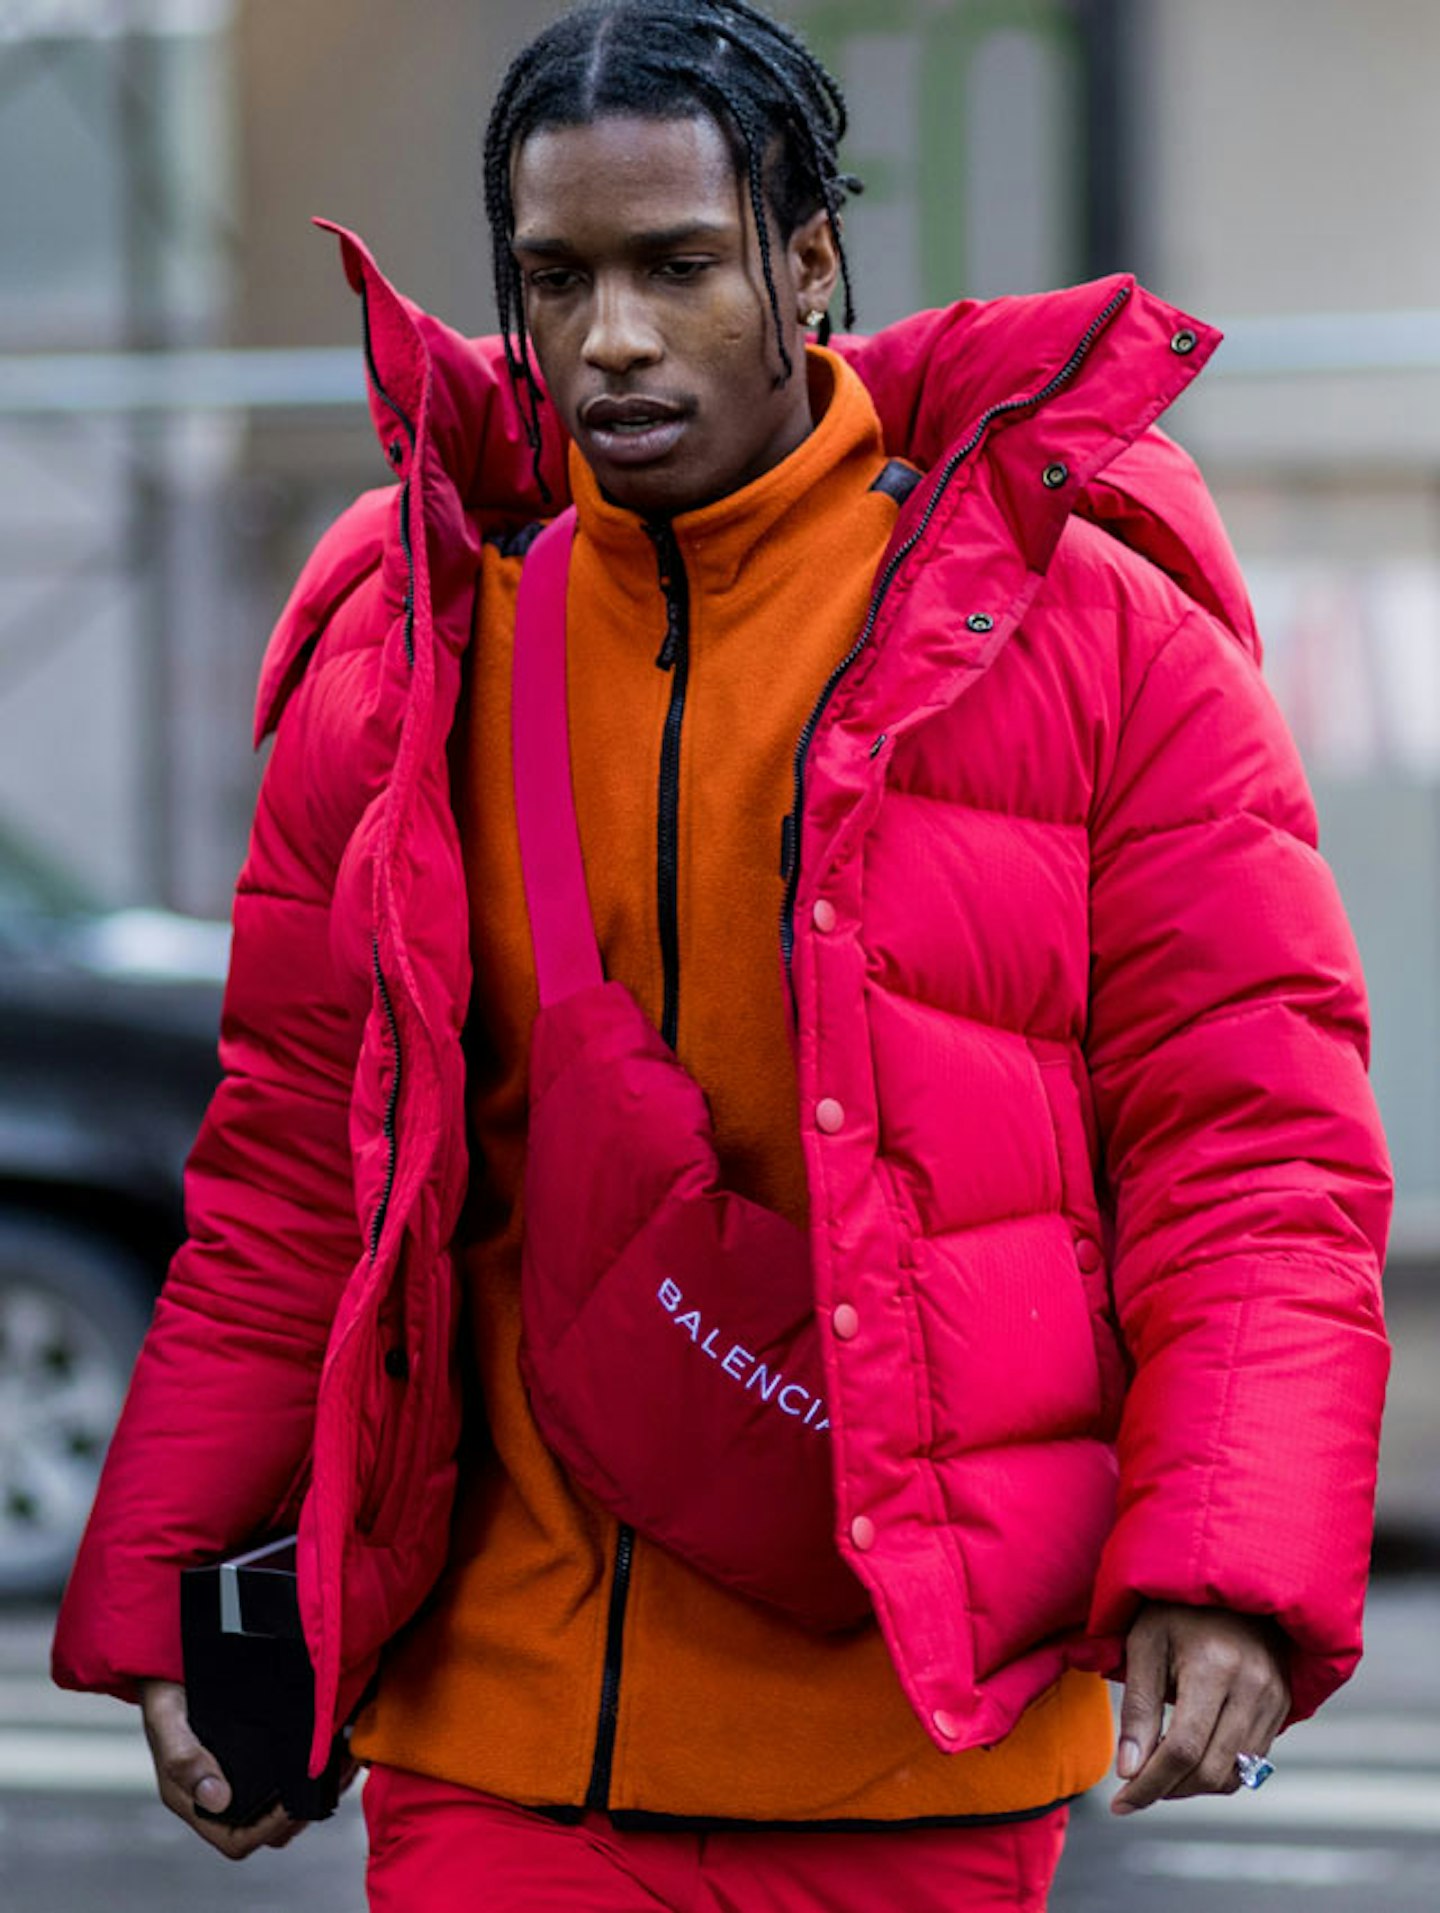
(634, 430)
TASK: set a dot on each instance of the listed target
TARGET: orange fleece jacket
(726, 1709)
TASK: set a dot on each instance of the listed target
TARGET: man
(1057, 1054)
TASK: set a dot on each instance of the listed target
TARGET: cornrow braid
(671, 59)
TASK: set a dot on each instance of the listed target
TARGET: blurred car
(108, 1025)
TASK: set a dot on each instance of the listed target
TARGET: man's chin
(652, 491)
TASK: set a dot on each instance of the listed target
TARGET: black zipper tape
(674, 657)
(392, 1103)
(597, 1794)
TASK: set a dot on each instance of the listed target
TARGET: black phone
(249, 1687)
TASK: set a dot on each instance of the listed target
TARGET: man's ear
(814, 263)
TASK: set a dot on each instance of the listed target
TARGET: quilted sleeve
(1228, 1048)
(212, 1446)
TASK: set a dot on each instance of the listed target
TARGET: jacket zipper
(674, 657)
(1029, 402)
(597, 1796)
(392, 1102)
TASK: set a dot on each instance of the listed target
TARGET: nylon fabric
(1155, 1082)
(566, 956)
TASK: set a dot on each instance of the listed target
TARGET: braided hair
(782, 111)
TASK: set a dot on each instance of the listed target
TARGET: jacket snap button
(397, 1364)
(1054, 476)
(829, 1115)
(980, 621)
(1184, 342)
(862, 1532)
(1087, 1254)
(946, 1725)
(823, 914)
(395, 452)
(845, 1321)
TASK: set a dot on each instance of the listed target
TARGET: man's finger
(1142, 1712)
(189, 1775)
(1215, 1771)
(189, 1769)
(272, 1829)
(1178, 1754)
(291, 1830)
(1201, 1686)
(1248, 1723)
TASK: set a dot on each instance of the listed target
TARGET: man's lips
(632, 410)
(633, 430)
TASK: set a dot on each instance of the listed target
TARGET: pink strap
(567, 957)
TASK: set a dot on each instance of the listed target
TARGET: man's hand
(191, 1776)
(1224, 1674)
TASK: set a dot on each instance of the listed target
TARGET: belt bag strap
(668, 1345)
(567, 957)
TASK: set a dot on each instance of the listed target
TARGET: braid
(832, 184)
(509, 302)
(738, 110)
(669, 59)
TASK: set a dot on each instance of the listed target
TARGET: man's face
(646, 304)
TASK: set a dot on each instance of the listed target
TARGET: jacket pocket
(1085, 1207)
(286, 1515)
(412, 1385)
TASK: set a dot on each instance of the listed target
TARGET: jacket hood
(937, 379)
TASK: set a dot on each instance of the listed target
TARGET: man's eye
(553, 279)
(681, 268)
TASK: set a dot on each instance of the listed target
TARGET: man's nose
(621, 333)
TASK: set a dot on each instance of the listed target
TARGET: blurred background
(181, 413)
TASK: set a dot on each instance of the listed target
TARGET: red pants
(435, 1848)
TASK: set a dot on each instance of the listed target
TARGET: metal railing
(1291, 345)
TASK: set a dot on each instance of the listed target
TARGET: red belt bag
(669, 1344)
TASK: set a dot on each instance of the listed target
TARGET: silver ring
(1254, 1770)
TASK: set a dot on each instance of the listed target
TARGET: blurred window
(112, 118)
(968, 127)
(1352, 653)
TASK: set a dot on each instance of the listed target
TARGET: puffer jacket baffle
(1098, 1190)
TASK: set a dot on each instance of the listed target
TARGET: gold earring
(814, 316)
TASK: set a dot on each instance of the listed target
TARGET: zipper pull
(663, 539)
(665, 657)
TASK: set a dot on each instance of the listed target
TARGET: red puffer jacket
(1098, 1189)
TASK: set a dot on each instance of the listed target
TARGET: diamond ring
(1254, 1770)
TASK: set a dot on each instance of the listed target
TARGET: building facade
(1268, 164)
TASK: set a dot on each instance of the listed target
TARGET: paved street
(1350, 1821)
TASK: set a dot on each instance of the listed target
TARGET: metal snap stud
(980, 621)
(1054, 476)
(1185, 341)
